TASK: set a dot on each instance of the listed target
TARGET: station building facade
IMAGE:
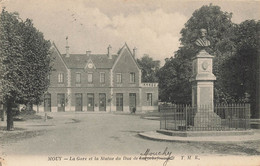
(98, 83)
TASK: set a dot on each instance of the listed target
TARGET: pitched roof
(80, 60)
(100, 61)
(125, 46)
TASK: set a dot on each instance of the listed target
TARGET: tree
(37, 60)
(24, 63)
(235, 47)
(219, 29)
(220, 33)
(239, 72)
(149, 68)
(174, 85)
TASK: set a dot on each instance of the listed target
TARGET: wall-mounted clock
(90, 65)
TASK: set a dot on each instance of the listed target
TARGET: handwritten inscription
(157, 155)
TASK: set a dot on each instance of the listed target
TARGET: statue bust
(202, 41)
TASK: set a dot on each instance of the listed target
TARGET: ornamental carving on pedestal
(205, 65)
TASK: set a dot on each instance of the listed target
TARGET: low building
(98, 82)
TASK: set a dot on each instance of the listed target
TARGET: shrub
(25, 111)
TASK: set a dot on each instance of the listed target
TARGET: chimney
(135, 52)
(88, 52)
(67, 48)
(109, 52)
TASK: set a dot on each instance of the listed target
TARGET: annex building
(98, 82)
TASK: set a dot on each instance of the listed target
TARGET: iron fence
(205, 118)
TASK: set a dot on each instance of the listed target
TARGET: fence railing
(205, 118)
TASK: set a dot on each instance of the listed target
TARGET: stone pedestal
(207, 121)
(203, 92)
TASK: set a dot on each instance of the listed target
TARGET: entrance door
(132, 101)
(47, 103)
(119, 101)
(90, 102)
(78, 100)
(61, 102)
(102, 102)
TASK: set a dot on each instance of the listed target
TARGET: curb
(153, 135)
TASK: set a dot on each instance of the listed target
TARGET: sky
(152, 26)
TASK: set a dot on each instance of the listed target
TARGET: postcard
(129, 82)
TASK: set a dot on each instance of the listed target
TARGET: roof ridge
(89, 54)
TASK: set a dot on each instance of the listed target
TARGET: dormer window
(89, 65)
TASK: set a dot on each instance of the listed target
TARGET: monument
(203, 88)
(203, 41)
(202, 119)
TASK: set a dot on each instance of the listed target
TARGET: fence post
(186, 117)
(45, 117)
(160, 116)
(229, 115)
(165, 120)
(247, 115)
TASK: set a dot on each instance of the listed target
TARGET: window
(102, 77)
(60, 78)
(149, 99)
(132, 77)
(78, 77)
(90, 77)
(118, 78)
